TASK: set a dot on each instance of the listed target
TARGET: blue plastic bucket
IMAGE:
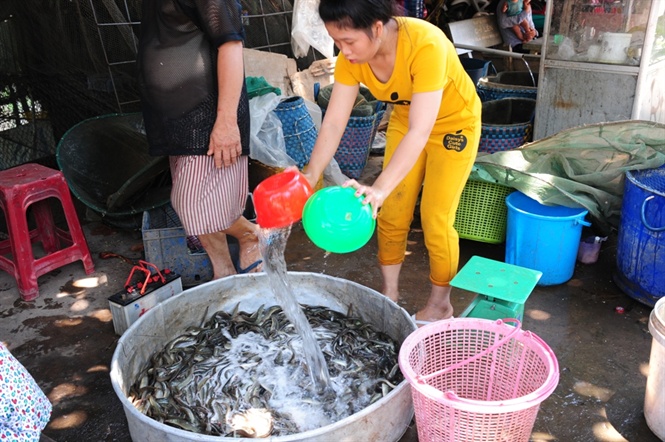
(544, 238)
(641, 238)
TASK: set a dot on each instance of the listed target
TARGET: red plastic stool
(26, 186)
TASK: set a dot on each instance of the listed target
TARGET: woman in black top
(196, 111)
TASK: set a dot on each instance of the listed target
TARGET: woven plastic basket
(508, 84)
(353, 151)
(477, 380)
(507, 123)
(482, 213)
(299, 129)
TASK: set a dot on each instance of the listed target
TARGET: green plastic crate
(482, 212)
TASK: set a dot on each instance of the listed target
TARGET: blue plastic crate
(167, 246)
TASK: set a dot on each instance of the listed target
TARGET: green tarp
(579, 167)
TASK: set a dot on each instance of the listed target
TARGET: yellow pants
(441, 173)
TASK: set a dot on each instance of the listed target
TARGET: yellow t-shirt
(426, 61)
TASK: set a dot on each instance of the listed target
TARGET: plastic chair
(30, 185)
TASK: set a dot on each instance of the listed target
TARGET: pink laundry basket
(477, 380)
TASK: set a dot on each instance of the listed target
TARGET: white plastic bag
(315, 112)
(266, 142)
(332, 175)
(308, 30)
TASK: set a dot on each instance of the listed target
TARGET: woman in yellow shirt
(431, 140)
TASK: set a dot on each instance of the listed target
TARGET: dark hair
(358, 14)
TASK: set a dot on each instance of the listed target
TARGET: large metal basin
(385, 420)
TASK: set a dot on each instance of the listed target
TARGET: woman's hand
(224, 144)
(311, 179)
(373, 196)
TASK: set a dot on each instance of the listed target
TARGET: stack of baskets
(354, 148)
(520, 84)
(356, 142)
(507, 123)
(300, 134)
(509, 108)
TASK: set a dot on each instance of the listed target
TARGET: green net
(579, 167)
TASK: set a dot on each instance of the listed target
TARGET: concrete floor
(66, 339)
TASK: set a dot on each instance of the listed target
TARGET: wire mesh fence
(62, 62)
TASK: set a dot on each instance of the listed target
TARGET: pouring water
(272, 243)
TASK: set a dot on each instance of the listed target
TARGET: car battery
(128, 305)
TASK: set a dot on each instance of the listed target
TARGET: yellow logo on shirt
(456, 141)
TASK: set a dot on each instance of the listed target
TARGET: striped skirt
(207, 199)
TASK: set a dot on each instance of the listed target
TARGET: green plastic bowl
(337, 221)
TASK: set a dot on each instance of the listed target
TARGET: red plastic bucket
(280, 198)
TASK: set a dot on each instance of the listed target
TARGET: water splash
(272, 243)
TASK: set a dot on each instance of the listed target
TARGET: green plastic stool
(501, 289)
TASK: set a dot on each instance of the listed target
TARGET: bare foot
(390, 275)
(430, 313)
(438, 305)
(219, 273)
(250, 253)
(529, 35)
(247, 234)
(217, 249)
(393, 295)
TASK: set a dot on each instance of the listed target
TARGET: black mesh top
(177, 72)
